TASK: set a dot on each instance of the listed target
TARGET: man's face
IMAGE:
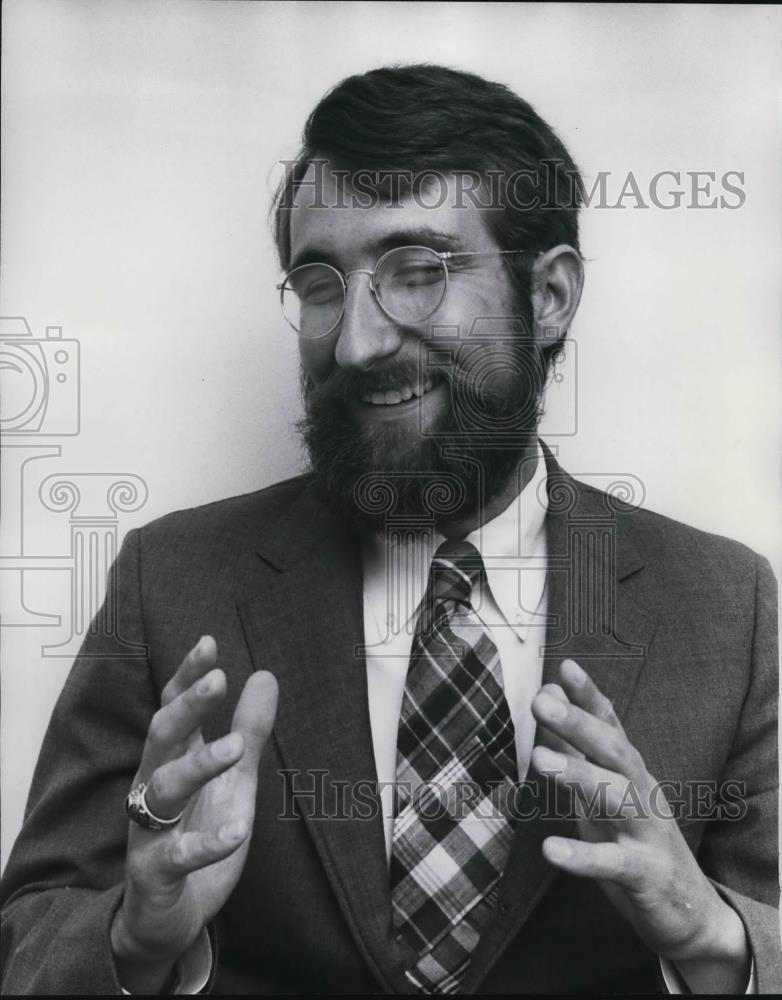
(377, 401)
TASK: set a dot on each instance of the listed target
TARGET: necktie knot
(456, 568)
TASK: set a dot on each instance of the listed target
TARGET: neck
(487, 509)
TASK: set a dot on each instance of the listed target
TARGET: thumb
(254, 717)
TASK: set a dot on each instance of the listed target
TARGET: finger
(618, 863)
(582, 691)
(254, 717)
(173, 783)
(199, 660)
(188, 852)
(598, 740)
(546, 737)
(174, 723)
(600, 795)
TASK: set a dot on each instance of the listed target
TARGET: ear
(557, 280)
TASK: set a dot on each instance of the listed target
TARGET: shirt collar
(512, 545)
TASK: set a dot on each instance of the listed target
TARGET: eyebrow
(435, 239)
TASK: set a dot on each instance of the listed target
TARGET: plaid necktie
(456, 763)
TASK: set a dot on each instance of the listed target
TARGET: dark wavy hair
(413, 119)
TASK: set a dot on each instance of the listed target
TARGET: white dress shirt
(512, 606)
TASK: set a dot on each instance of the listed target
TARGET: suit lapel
(305, 624)
(594, 619)
(307, 628)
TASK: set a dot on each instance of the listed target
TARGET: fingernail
(558, 850)
(550, 706)
(235, 830)
(204, 686)
(228, 747)
(549, 760)
(574, 671)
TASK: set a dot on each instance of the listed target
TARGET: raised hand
(177, 879)
(629, 841)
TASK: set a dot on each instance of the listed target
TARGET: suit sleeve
(63, 881)
(741, 856)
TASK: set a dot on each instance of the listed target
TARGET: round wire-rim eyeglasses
(441, 255)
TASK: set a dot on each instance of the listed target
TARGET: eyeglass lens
(409, 283)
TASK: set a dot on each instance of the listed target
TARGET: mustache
(346, 385)
(465, 378)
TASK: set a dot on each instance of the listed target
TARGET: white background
(139, 148)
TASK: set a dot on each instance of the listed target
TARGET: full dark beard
(384, 471)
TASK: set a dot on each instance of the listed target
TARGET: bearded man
(455, 722)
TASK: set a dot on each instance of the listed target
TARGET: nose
(366, 334)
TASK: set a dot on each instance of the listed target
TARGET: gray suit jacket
(676, 626)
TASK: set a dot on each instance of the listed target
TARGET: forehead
(329, 218)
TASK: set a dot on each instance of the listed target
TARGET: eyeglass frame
(443, 255)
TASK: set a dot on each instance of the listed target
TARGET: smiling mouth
(396, 397)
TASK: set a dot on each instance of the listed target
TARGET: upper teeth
(392, 396)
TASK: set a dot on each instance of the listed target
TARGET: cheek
(472, 305)
(317, 356)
